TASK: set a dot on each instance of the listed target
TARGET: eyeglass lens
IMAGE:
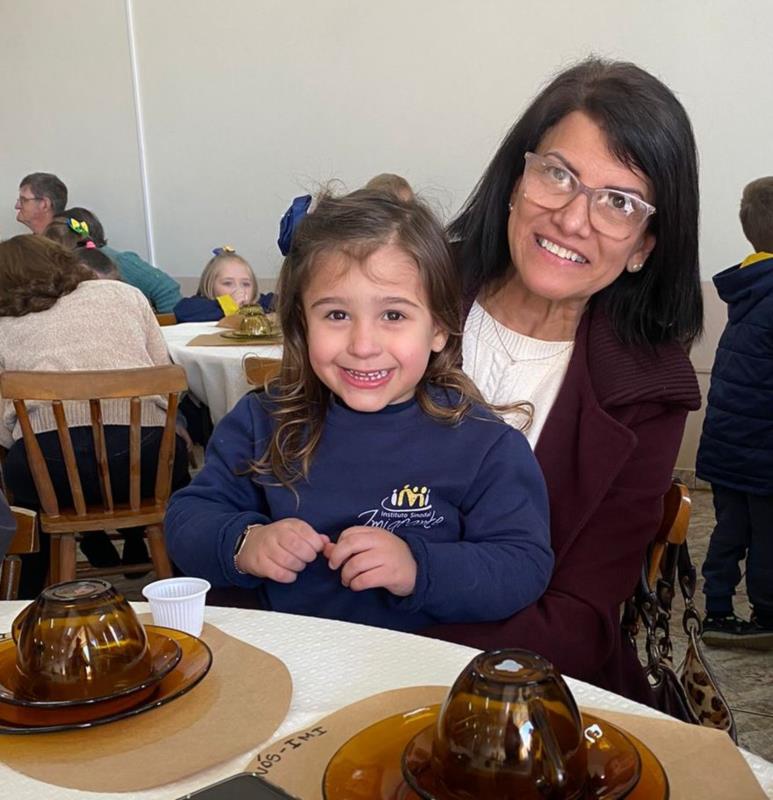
(550, 184)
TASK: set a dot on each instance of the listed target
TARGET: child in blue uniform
(736, 448)
(370, 483)
(226, 284)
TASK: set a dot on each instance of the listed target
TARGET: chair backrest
(25, 540)
(677, 508)
(166, 319)
(258, 369)
(129, 384)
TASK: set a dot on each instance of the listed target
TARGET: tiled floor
(745, 676)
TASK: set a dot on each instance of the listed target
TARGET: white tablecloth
(215, 374)
(332, 665)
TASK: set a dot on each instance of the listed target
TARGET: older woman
(55, 315)
(579, 251)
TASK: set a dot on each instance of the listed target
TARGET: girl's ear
(439, 339)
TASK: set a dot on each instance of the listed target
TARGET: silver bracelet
(240, 542)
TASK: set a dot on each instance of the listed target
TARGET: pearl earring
(634, 267)
(510, 206)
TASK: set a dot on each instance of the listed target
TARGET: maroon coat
(607, 450)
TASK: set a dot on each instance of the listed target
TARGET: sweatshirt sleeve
(198, 309)
(503, 561)
(205, 519)
(161, 289)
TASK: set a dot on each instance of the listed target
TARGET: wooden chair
(258, 369)
(64, 524)
(677, 508)
(166, 319)
(24, 541)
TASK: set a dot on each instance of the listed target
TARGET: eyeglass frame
(589, 192)
(21, 200)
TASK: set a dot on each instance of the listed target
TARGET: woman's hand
(280, 550)
(372, 558)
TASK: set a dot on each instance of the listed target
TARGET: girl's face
(235, 279)
(558, 255)
(369, 327)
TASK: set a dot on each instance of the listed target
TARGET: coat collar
(585, 441)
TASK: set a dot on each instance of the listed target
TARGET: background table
(215, 374)
(332, 665)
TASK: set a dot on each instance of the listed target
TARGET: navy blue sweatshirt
(202, 309)
(469, 500)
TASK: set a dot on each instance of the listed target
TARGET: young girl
(368, 483)
(227, 284)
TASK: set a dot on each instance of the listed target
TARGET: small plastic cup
(178, 603)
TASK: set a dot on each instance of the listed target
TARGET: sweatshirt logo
(408, 506)
(406, 498)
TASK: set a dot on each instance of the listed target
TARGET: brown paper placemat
(239, 703)
(218, 340)
(700, 763)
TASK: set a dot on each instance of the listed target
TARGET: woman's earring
(510, 206)
(634, 267)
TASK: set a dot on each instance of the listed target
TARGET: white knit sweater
(509, 367)
(100, 325)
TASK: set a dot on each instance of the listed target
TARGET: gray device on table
(244, 786)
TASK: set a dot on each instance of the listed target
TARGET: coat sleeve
(204, 520)
(503, 561)
(572, 624)
(198, 309)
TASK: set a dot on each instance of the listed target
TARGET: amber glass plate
(194, 663)
(266, 338)
(368, 766)
(165, 652)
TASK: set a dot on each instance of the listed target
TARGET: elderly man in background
(41, 197)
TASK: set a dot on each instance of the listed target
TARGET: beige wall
(227, 112)
(702, 357)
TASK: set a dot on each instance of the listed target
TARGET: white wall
(248, 102)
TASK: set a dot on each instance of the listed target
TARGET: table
(364, 661)
(215, 374)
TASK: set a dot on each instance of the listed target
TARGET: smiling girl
(369, 483)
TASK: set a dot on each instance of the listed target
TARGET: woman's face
(235, 279)
(558, 254)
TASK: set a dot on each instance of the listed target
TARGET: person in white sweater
(54, 315)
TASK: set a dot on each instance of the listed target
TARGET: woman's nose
(574, 217)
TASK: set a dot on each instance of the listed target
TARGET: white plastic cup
(178, 603)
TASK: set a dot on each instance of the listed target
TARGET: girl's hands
(280, 550)
(372, 558)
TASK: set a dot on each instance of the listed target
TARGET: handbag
(690, 691)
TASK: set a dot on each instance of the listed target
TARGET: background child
(368, 484)
(91, 257)
(227, 283)
(736, 449)
(161, 289)
(391, 183)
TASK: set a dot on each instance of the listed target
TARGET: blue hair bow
(226, 248)
(297, 211)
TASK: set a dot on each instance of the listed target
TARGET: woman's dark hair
(648, 130)
(34, 273)
(96, 231)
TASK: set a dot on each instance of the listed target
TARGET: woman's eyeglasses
(551, 184)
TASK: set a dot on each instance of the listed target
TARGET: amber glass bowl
(78, 641)
(508, 730)
(254, 321)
